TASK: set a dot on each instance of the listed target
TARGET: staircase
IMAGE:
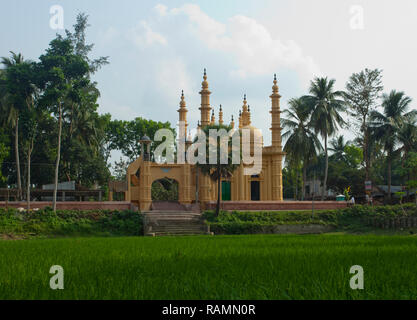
(164, 223)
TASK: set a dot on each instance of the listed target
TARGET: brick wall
(74, 205)
(278, 205)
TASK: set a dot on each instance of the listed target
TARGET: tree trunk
(58, 156)
(296, 186)
(326, 169)
(28, 175)
(16, 144)
(219, 179)
(303, 195)
(389, 179)
(365, 150)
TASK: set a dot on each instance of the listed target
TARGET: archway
(165, 189)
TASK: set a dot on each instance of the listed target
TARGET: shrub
(46, 222)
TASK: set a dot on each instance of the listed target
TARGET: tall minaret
(183, 115)
(240, 119)
(245, 116)
(232, 123)
(276, 117)
(277, 154)
(221, 115)
(205, 102)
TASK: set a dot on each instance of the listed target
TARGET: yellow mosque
(194, 187)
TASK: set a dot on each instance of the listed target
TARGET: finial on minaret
(275, 86)
(232, 123)
(213, 118)
(221, 115)
(205, 101)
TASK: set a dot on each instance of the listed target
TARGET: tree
(62, 74)
(325, 105)
(301, 143)
(338, 146)
(124, 135)
(218, 170)
(11, 109)
(362, 92)
(386, 125)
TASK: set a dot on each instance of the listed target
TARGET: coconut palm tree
(326, 106)
(218, 170)
(337, 146)
(387, 125)
(12, 110)
(301, 144)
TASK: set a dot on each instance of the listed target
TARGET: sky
(158, 48)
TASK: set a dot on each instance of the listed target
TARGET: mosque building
(194, 187)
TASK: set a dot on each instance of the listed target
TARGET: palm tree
(12, 110)
(407, 137)
(386, 125)
(301, 143)
(217, 171)
(326, 105)
(337, 146)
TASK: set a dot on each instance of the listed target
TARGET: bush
(356, 217)
(71, 222)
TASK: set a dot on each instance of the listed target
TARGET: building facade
(195, 187)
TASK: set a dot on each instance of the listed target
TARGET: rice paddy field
(204, 267)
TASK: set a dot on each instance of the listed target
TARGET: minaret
(248, 117)
(276, 148)
(213, 118)
(232, 123)
(183, 115)
(205, 102)
(221, 115)
(240, 119)
(276, 117)
(245, 120)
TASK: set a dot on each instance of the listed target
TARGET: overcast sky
(158, 48)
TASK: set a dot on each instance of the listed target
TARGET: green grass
(203, 267)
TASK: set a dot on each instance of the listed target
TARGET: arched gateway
(195, 187)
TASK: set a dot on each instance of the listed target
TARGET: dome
(145, 138)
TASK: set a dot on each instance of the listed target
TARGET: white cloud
(255, 51)
(170, 75)
(143, 36)
(161, 9)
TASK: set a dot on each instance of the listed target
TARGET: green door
(226, 191)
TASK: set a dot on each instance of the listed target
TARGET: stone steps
(163, 223)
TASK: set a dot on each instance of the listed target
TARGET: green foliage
(165, 190)
(351, 218)
(255, 267)
(124, 135)
(47, 223)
